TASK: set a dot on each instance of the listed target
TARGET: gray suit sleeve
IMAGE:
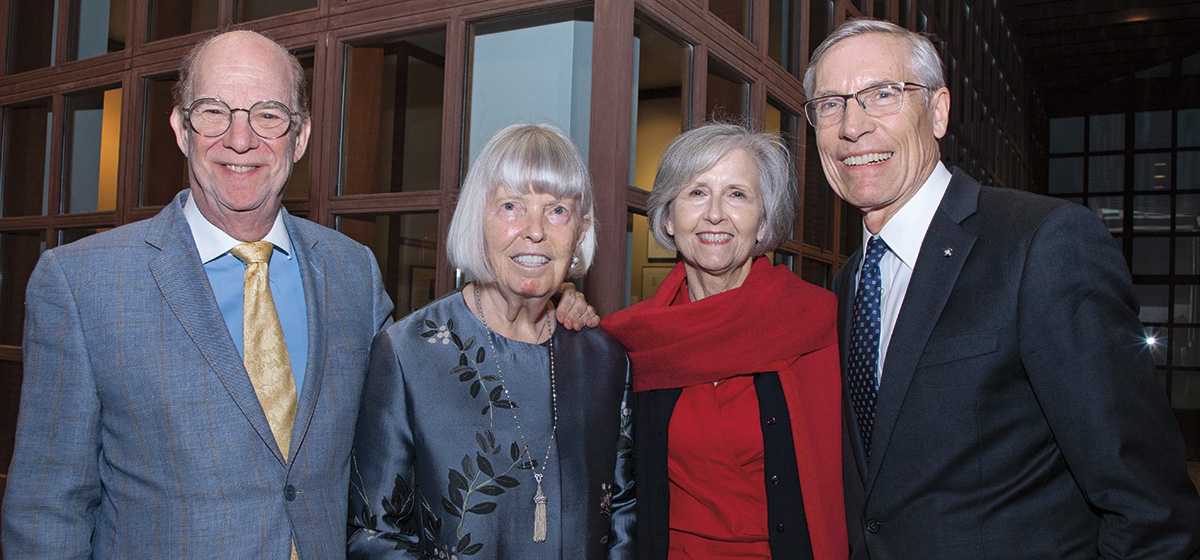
(54, 480)
(1082, 345)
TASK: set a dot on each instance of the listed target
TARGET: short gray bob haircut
(698, 149)
(522, 158)
(924, 61)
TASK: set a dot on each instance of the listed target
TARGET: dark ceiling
(1080, 43)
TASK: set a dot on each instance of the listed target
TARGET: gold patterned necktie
(264, 349)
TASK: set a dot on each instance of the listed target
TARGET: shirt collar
(212, 242)
(905, 231)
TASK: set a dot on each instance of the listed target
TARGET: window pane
(1066, 135)
(818, 198)
(24, 181)
(852, 230)
(172, 18)
(661, 65)
(1187, 213)
(19, 252)
(734, 12)
(815, 272)
(298, 184)
(1066, 175)
(406, 247)
(1107, 132)
(10, 401)
(728, 95)
(1185, 255)
(248, 10)
(531, 69)
(30, 35)
(1187, 173)
(1152, 130)
(783, 32)
(1110, 209)
(164, 167)
(97, 27)
(1106, 173)
(1185, 345)
(1151, 255)
(820, 22)
(1152, 213)
(1189, 128)
(1187, 304)
(1155, 302)
(91, 148)
(1151, 172)
(75, 234)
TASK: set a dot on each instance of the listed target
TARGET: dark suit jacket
(140, 435)
(1019, 412)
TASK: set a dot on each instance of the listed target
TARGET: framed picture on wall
(655, 252)
(422, 286)
(652, 277)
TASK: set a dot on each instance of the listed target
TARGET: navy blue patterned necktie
(864, 341)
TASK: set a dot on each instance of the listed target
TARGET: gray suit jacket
(1019, 413)
(140, 435)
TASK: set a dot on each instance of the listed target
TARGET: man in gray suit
(1000, 400)
(141, 434)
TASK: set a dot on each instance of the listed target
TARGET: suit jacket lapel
(932, 281)
(184, 285)
(844, 286)
(312, 274)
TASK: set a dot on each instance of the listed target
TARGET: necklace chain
(553, 390)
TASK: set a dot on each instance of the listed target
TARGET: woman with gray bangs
(486, 428)
(735, 366)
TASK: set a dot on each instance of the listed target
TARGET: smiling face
(238, 177)
(529, 239)
(878, 163)
(716, 220)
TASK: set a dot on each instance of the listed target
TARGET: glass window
(1151, 172)
(815, 272)
(97, 27)
(1187, 304)
(1185, 345)
(1106, 173)
(164, 167)
(1187, 171)
(1185, 256)
(1155, 302)
(531, 69)
(661, 65)
(881, 10)
(1066, 175)
(30, 35)
(91, 148)
(1187, 213)
(249, 10)
(852, 230)
(728, 95)
(783, 32)
(71, 235)
(405, 245)
(1189, 128)
(1066, 135)
(24, 155)
(1185, 398)
(1152, 130)
(1151, 255)
(1106, 133)
(19, 253)
(1152, 213)
(299, 183)
(1110, 209)
(818, 198)
(10, 401)
(172, 18)
(734, 12)
(820, 22)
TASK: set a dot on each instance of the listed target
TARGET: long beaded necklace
(539, 499)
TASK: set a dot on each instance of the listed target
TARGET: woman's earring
(574, 261)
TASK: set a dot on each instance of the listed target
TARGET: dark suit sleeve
(54, 479)
(1084, 350)
(624, 497)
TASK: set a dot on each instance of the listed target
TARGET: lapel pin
(947, 252)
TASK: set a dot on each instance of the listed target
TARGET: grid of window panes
(1140, 173)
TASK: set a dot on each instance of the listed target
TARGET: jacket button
(774, 480)
(289, 493)
(873, 525)
(779, 528)
(771, 421)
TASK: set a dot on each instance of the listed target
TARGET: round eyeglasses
(877, 101)
(211, 117)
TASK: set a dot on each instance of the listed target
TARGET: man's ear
(302, 139)
(181, 130)
(941, 111)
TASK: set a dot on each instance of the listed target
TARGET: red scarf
(767, 323)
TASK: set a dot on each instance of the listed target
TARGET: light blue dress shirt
(226, 274)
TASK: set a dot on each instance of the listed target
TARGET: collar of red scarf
(767, 323)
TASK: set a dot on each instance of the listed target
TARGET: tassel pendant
(539, 512)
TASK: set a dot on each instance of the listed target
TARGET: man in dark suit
(1000, 398)
(142, 433)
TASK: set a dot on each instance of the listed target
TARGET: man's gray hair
(698, 149)
(184, 87)
(522, 159)
(924, 61)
